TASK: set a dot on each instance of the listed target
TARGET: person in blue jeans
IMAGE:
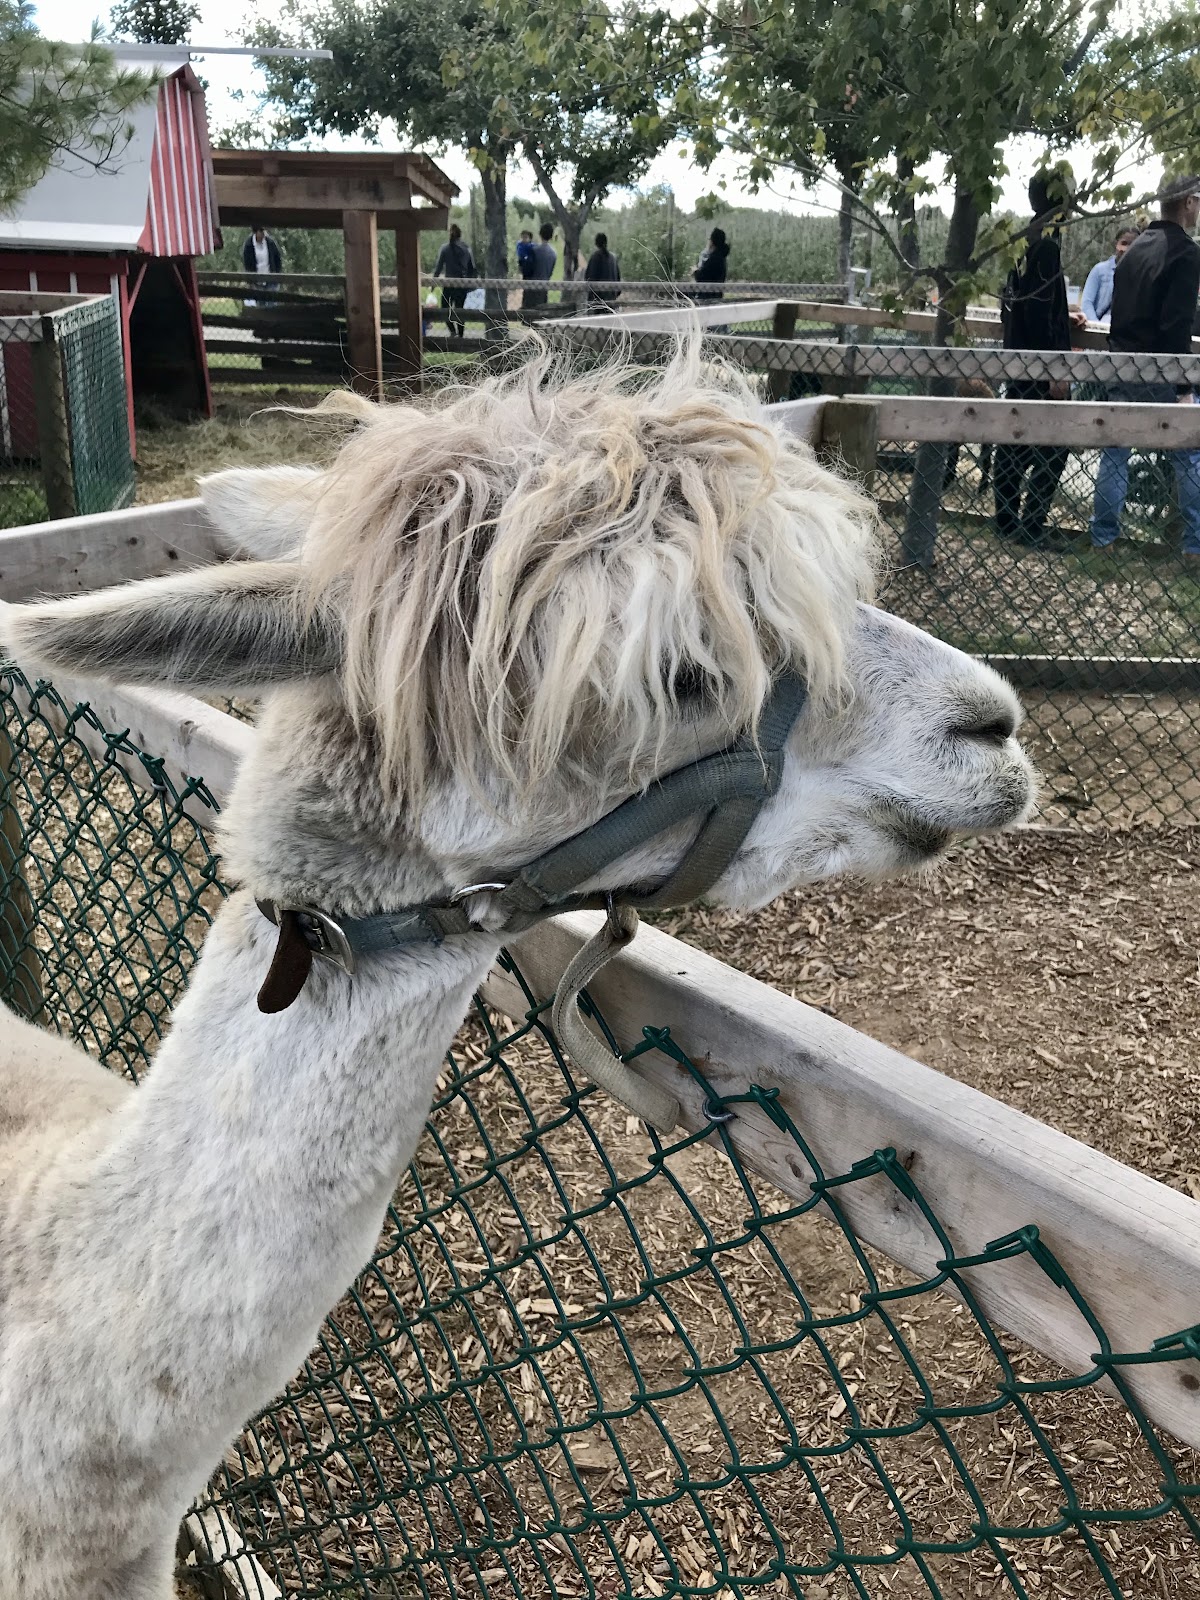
(1155, 289)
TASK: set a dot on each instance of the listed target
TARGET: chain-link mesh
(584, 1362)
(64, 421)
(89, 338)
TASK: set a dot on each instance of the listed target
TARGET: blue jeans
(1113, 478)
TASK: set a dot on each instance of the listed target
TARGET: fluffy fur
(527, 569)
(546, 591)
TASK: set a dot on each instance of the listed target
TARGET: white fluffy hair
(531, 568)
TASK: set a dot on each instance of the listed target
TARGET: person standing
(713, 265)
(525, 254)
(602, 267)
(262, 256)
(1035, 316)
(1098, 290)
(454, 261)
(545, 258)
(1155, 289)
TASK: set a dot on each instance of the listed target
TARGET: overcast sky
(223, 22)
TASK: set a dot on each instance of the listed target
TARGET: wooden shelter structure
(133, 230)
(358, 192)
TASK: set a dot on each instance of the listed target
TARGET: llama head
(495, 617)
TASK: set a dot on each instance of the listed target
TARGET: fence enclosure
(64, 424)
(764, 1356)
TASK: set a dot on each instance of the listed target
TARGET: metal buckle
(325, 938)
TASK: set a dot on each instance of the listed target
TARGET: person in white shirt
(261, 255)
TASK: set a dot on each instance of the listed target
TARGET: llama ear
(226, 629)
(262, 513)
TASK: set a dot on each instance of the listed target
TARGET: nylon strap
(726, 790)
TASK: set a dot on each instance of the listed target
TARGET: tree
(583, 86)
(575, 88)
(387, 65)
(944, 85)
(937, 89)
(57, 101)
(155, 21)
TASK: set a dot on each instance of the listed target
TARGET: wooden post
(20, 972)
(362, 302)
(783, 326)
(408, 306)
(54, 428)
(848, 438)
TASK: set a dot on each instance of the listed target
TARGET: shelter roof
(155, 193)
(312, 188)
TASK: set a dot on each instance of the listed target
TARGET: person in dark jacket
(544, 258)
(1155, 289)
(1035, 316)
(602, 267)
(525, 262)
(261, 255)
(454, 260)
(713, 265)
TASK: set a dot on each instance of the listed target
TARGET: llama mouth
(919, 840)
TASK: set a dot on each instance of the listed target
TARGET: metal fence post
(20, 969)
(849, 438)
(54, 428)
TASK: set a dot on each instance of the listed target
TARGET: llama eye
(689, 683)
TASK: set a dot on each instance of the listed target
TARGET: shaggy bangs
(532, 568)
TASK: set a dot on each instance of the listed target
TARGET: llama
(488, 623)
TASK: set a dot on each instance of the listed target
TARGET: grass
(247, 429)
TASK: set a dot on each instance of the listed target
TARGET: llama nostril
(993, 728)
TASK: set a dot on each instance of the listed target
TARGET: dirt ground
(1058, 970)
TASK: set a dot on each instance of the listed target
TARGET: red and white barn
(133, 230)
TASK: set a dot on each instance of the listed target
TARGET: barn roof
(157, 196)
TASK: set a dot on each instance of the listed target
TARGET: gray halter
(728, 789)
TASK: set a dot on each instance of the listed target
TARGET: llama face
(490, 622)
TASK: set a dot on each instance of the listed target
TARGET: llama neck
(251, 1175)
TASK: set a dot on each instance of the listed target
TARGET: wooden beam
(802, 418)
(238, 1574)
(849, 438)
(1076, 424)
(267, 197)
(1132, 1246)
(53, 427)
(675, 319)
(362, 302)
(83, 553)
(408, 305)
(783, 326)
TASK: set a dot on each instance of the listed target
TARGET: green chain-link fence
(64, 423)
(583, 1362)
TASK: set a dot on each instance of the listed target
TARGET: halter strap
(727, 790)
